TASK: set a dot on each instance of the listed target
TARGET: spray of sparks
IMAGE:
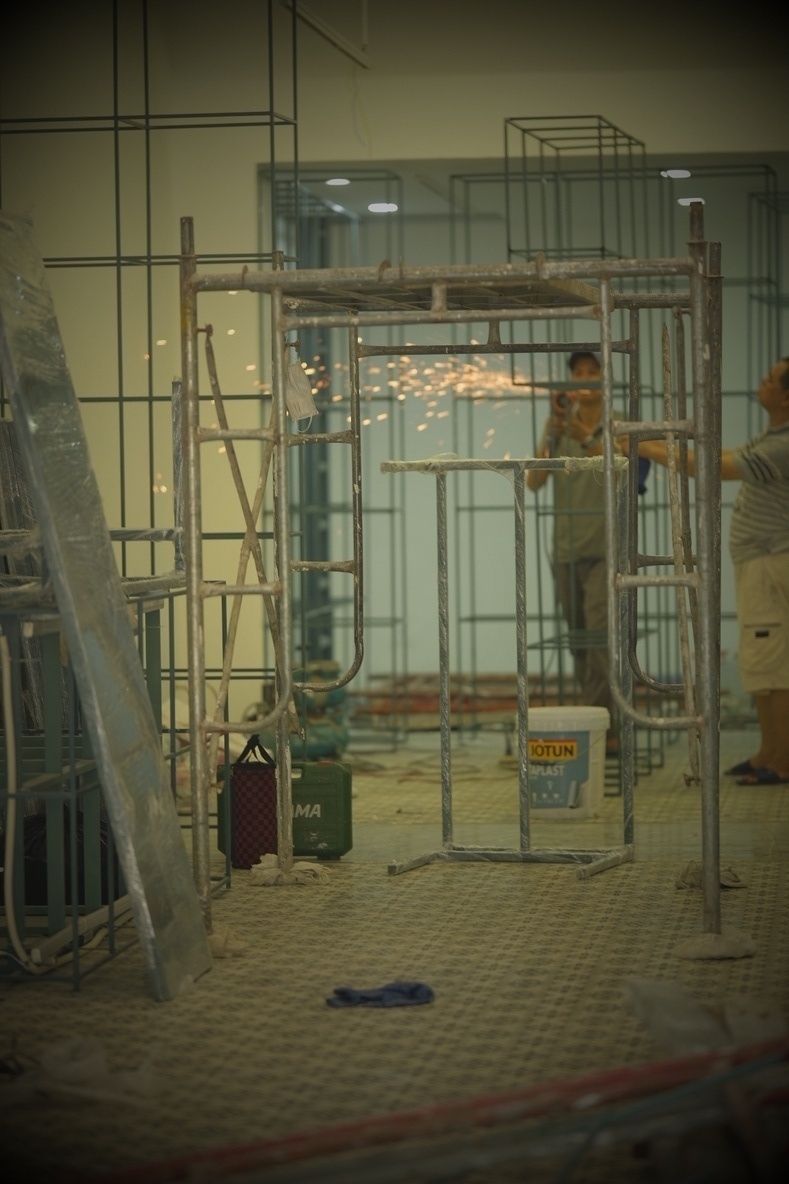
(434, 382)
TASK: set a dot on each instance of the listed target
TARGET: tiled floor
(528, 963)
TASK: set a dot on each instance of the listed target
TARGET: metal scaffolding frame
(753, 289)
(361, 298)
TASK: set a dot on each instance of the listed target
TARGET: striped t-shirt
(760, 517)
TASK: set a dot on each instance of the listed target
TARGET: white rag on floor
(268, 873)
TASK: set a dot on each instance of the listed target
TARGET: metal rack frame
(360, 298)
(591, 860)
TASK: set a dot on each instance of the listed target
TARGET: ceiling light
(382, 207)
(338, 181)
(686, 201)
(675, 174)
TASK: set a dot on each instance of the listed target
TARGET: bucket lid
(577, 716)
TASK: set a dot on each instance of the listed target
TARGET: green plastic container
(322, 809)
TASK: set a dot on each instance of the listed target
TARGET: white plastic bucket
(566, 760)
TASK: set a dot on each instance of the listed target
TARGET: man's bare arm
(657, 451)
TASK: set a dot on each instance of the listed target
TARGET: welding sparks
(476, 379)
(439, 384)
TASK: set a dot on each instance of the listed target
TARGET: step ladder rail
(620, 580)
(201, 726)
(704, 582)
(680, 428)
(672, 428)
(250, 547)
(193, 567)
(355, 566)
(624, 560)
(679, 495)
(678, 525)
(682, 443)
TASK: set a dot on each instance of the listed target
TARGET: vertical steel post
(356, 494)
(629, 616)
(282, 567)
(445, 702)
(520, 643)
(609, 480)
(178, 488)
(620, 549)
(708, 526)
(193, 557)
(715, 331)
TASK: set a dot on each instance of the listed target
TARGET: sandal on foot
(740, 770)
(763, 777)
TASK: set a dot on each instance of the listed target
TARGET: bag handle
(255, 748)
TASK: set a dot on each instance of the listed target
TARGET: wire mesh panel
(599, 214)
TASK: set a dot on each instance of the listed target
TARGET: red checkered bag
(253, 805)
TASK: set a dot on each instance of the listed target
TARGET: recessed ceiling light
(686, 201)
(382, 207)
(675, 174)
(338, 181)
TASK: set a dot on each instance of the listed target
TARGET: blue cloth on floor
(390, 995)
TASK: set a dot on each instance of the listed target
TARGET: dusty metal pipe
(524, 805)
(193, 558)
(708, 527)
(445, 703)
(352, 280)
